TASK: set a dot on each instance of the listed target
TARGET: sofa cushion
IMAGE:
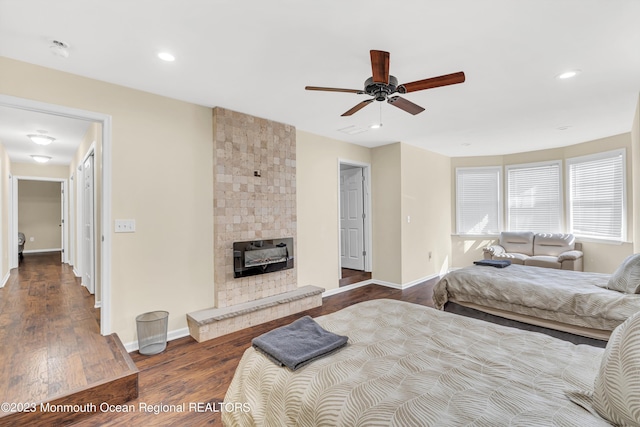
(626, 278)
(514, 258)
(543, 261)
(519, 242)
(616, 392)
(553, 244)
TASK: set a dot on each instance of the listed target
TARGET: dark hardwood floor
(350, 276)
(51, 347)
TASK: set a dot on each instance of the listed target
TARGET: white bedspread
(571, 297)
(410, 365)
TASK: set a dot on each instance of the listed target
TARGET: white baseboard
(420, 280)
(5, 279)
(388, 284)
(41, 251)
(98, 304)
(171, 335)
(346, 288)
(75, 272)
(378, 282)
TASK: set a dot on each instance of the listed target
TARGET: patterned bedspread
(571, 297)
(410, 365)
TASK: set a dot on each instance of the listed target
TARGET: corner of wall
(635, 176)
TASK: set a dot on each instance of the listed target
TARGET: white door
(71, 242)
(63, 232)
(352, 219)
(88, 251)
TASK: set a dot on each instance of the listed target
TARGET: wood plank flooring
(350, 276)
(51, 343)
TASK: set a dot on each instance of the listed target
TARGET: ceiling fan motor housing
(380, 91)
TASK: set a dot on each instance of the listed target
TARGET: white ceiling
(257, 56)
(16, 124)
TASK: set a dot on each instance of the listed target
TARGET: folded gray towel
(298, 343)
(498, 263)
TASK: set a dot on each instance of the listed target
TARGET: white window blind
(534, 199)
(597, 195)
(478, 200)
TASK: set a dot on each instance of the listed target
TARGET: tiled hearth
(254, 198)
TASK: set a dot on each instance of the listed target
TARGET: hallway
(50, 335)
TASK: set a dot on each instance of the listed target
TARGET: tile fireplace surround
(254, 184)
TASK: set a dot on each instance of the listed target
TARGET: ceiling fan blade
(405, 105)
(334, 89)
(358, 107)
(380, 66)
(447, 79)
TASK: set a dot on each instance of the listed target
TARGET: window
(478, 200)
(597, 202)
(534, 197)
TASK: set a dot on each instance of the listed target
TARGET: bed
(411, 365)
(570, 301)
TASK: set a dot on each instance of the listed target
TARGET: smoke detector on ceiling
(59, 48)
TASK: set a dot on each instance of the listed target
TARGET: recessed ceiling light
(376, 126)
(563, 127)
(166, 56)
(41, 139)
(568, 74)
(40, 159)
(466, 144)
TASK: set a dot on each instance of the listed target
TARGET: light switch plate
(125, 226)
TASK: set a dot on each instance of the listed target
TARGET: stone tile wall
(248, 207)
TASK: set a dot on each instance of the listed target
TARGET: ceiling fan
(382, 86)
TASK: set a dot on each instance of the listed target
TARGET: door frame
(13, 223)
(368, 246)
(80, 227)
(105, 195)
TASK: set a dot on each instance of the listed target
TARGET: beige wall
(425, 219)
(162, 163)
(635, 162)
(599, 257)
(5, 193)
(39, 214)
(39, 170)
(317, 172)
(387, 213)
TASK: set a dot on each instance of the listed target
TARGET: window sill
(601, 241)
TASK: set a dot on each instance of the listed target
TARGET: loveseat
(551, 250)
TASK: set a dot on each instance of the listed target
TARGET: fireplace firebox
(262, 256)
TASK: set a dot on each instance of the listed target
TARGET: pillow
(616, 394)
(626, 278)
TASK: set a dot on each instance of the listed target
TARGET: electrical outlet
(32, 239)
(125, 226)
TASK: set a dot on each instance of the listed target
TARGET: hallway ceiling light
(41, 139)
(166, 56)
(40, 159)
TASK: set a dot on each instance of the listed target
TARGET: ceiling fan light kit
(381, 86)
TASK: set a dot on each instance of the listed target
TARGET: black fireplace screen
(262, 256)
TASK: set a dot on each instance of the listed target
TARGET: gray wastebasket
(152, 332)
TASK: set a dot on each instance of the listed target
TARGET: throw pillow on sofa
(626, 278)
